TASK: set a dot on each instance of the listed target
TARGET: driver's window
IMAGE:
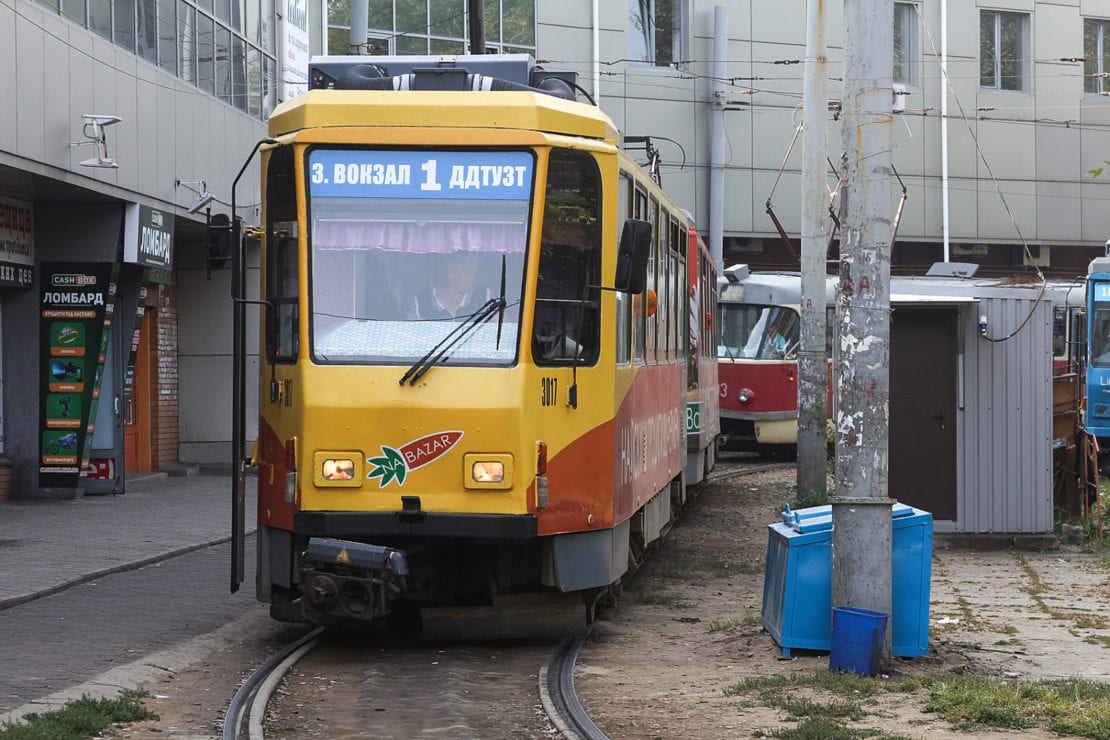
(566, 324)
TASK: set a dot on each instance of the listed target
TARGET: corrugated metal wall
(1004, 433)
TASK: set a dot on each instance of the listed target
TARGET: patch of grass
(717, 567)
(1070, 707)
(659, 598)
(79, 719)
(1066, 707)
(1103, 640)
(797, 708)
(1090, 621)
(823, 729)
(751, 619)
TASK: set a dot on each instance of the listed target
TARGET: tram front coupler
(350, 580)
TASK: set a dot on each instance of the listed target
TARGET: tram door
(923, 381)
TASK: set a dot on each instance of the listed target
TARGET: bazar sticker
(397, 463)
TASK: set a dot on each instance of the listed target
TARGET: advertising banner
(75, 313)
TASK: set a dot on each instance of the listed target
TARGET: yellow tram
(475, 345)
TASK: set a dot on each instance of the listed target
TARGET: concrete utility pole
(812, 373)
(861, 510)
(360, 26)
(717, 137)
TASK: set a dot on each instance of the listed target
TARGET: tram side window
(651, 308)
(566, 323)
(282, 266)
(283, 299)
(1060, 333)
(624, 301)
(639, 318)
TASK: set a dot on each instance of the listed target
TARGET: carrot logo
(397, 463)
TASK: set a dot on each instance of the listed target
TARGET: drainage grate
(10, 543)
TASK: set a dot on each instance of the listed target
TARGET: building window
(1096, 55)
(655, 31)
(905, 43)
(224, 47)
(417, 27)
(1003, 47)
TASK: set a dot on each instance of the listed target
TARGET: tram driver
(456, 289)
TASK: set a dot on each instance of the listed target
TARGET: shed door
(923, 409)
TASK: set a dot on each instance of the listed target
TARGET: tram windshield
(753, 332)
(405, 247)
(1100, 335)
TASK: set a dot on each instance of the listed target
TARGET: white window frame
(1093, 69)
(1021, 54)
(641, 34)
(905, 18)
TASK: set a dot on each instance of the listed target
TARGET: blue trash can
(797, 582)
(857, 640)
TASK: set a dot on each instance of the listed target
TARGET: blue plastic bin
(857, 640)
(797, 583)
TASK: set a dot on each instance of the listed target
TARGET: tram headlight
(746, 395)
(337, 468)
(483, 470)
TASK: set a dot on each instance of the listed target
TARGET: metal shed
(971, 403)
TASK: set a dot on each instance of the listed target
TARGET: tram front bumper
(351, 579)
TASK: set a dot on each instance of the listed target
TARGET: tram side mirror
(632, 256)
(219, 241)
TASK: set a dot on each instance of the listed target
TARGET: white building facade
(191, 82)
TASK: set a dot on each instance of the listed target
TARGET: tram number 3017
(550, 392)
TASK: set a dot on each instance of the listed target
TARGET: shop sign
(17, 243)
(75, 313)
(148, 237)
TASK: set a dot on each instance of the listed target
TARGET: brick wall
(163, 369)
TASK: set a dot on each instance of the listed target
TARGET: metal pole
(944, 127)
(812, 367)
(476, 11)
(861, 510)
(239, 384)
(360, 24)
(717, 137)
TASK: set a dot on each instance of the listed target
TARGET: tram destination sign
(354, 173)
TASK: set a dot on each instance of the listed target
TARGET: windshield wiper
(456, 335)
(501, 310)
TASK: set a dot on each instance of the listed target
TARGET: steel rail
(258, 687)
(559, 698)
(719, 475)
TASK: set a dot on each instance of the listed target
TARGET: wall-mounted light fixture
(94, 132)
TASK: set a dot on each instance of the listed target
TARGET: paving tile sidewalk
(49, 545)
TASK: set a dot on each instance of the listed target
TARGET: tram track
(246, 712)
(248, 706)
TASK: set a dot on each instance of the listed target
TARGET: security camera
(201, 202)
